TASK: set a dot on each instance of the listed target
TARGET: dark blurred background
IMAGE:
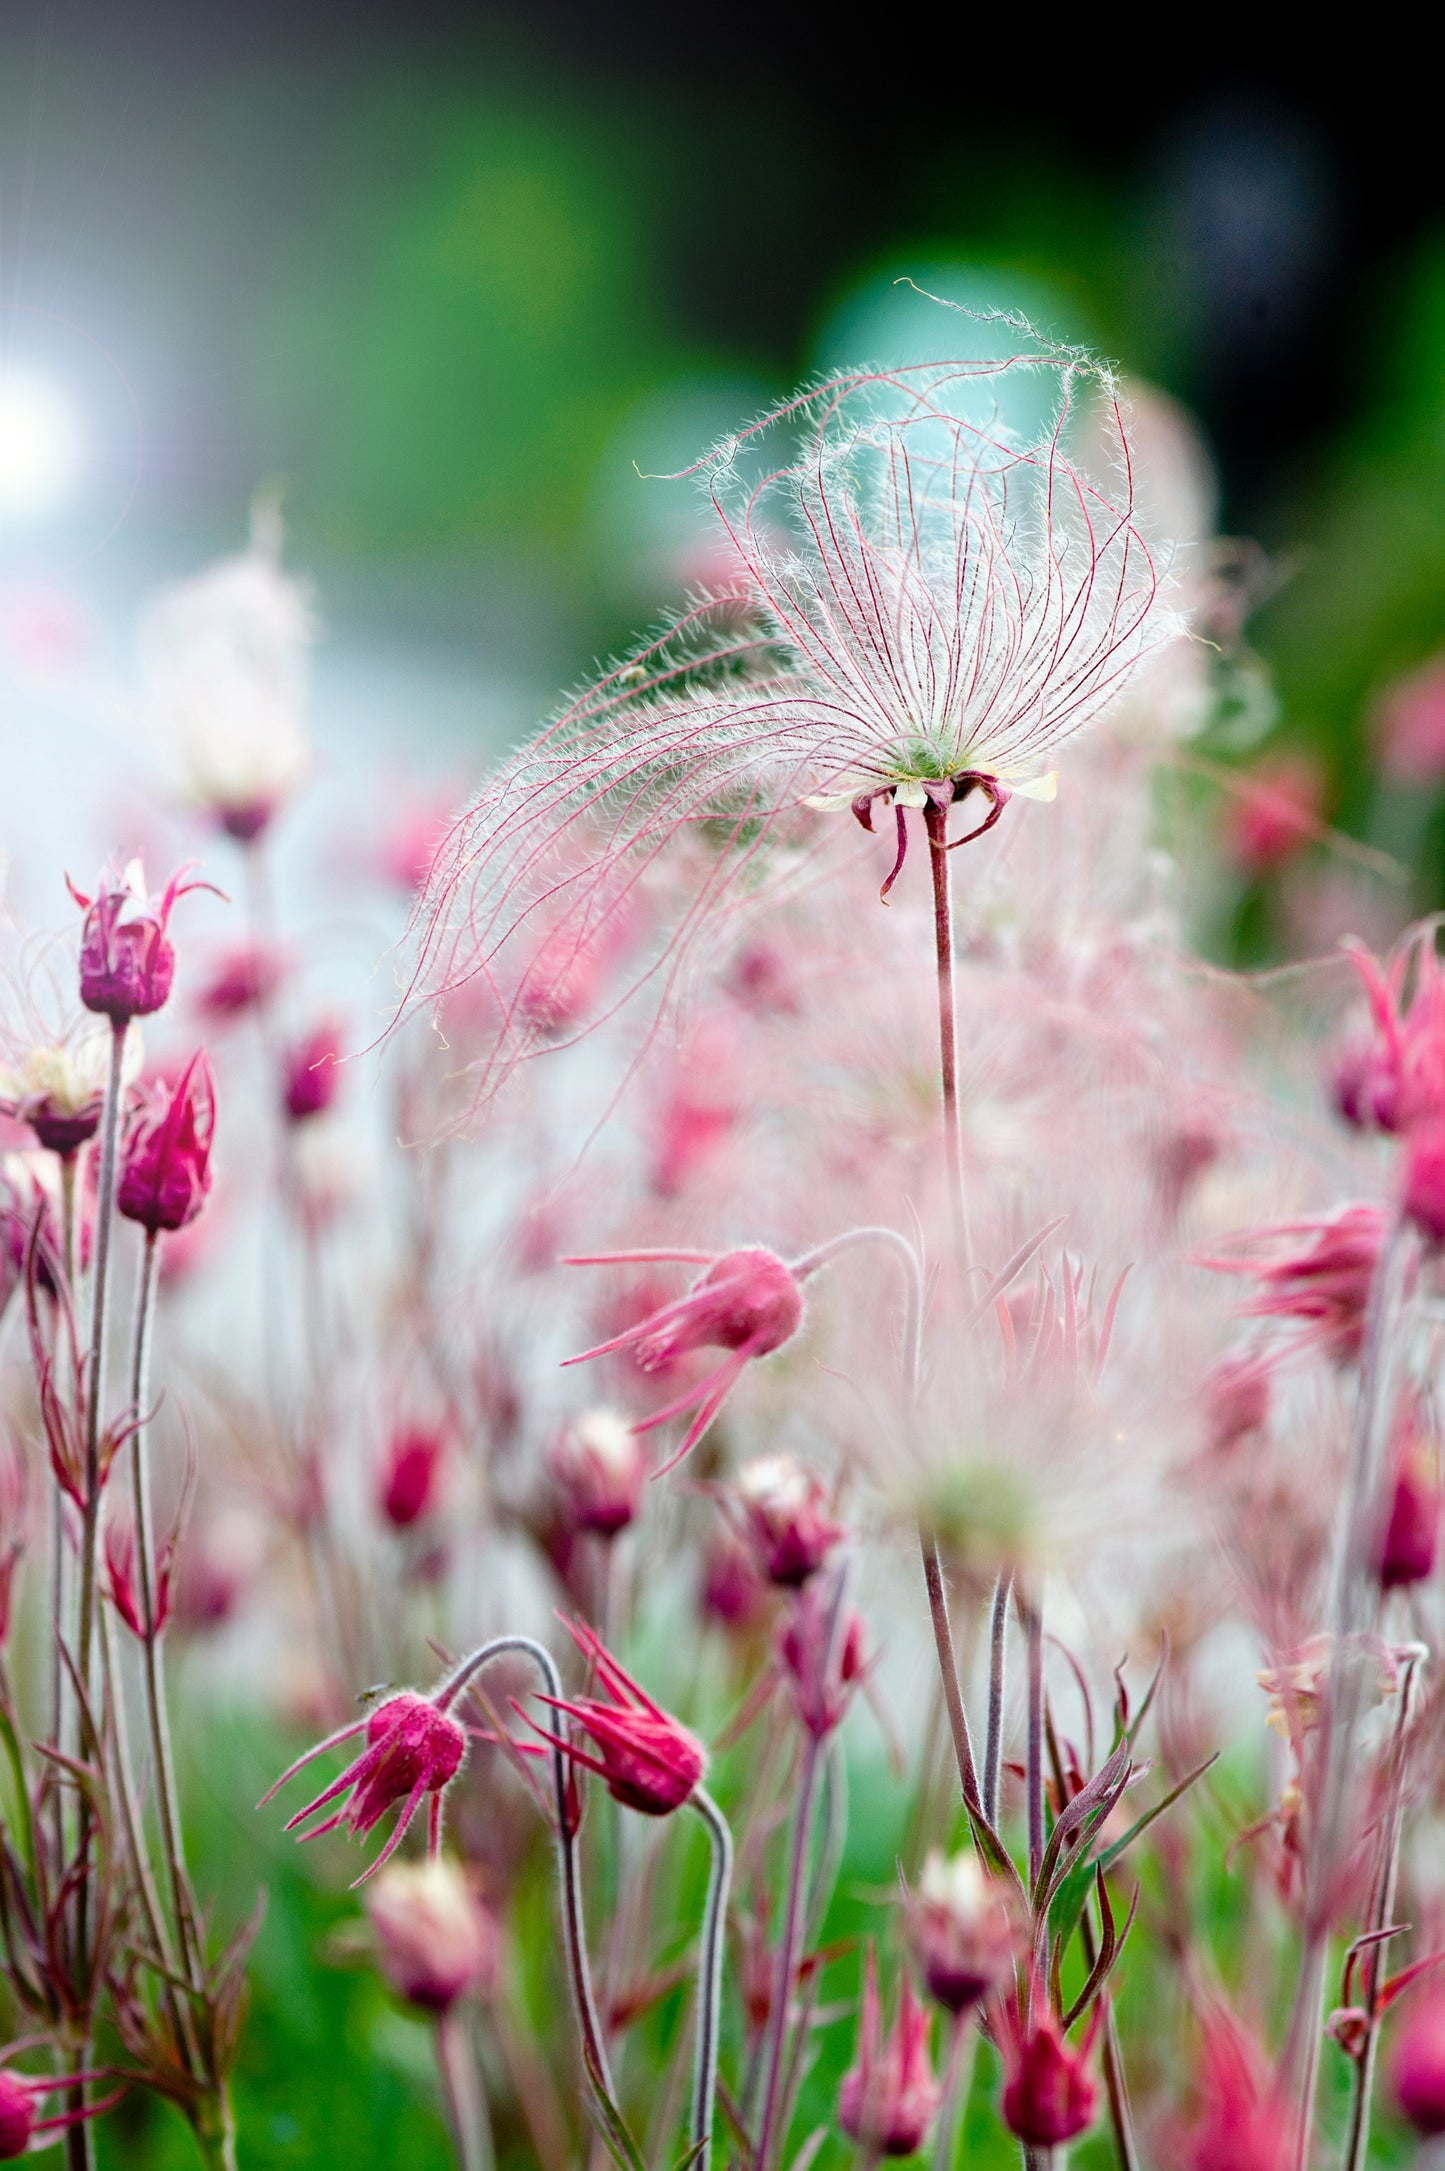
(453, 274)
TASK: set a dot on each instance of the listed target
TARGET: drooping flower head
(1317, 1275)
(413, 1748)
(57, 1087)
(928, 605)
(959, 1929)
(22, 2129)
(409, 1482)
(127, 960)
(1242, 2121)
(748, 1303)
(648, 1761)
(889, 2097)
(785, 1519)
(312, 1074)
(435, 1940)
(1051, 2094)
(599, 1467)
(165, 1172)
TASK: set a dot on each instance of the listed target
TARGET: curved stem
(95, 1359)
(948, 1668)
(788, 1949)
(997, 1663)
(709, 1976)
(899, 1244)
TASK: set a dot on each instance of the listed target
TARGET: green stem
(709, 1976)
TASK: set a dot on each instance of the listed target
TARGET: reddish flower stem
(935, 822)
(788, 1950)
(462, 2090)
(1381, 1915)
(997, 1661)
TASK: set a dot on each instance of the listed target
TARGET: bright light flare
(40, 445)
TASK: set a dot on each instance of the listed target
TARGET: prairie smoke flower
(785, 1518)
(1422, 1181)
(599, 1468)
(240, 979)
(165, 1172)
(823, 1653)
(435, 1940)
(1323, 1282)
(22, 2130)
(748, 1303)
(1299, 1683)
(225, 657)
(1051, 2094)
(1418, 2066)
(1411, 1534)
(1242, 2122)
(58, 1087)
(312, 1077)
(1276, 812)
(410, 1479)
(959, 1931)
(647, 1761)
(1395, 1080)
(125, 1592)
(1409, 727)
(127, 961)
(928, 607)
(889, 2098)
(412, 1749)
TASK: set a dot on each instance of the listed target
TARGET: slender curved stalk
(1035, 1626)
(997, 1663)
(788, 1949)
(167, 1799)
(465, 2101)
(709, 1976)
(948, 1669)
(904, 1251)
(594, 2051)
(1358, 2141)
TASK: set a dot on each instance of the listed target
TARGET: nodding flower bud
(411, 1475)
(127, 961)
(241, 979)
(785, 1519)
(1321, 1280)
(1051, 2095)
(312, 1077)
(165, 1172)
(1237, 1398)
(22, 2129)
(646, 1759)
(436, 1943)
(125, 1590)
(747, 1302)
(599, 1467)
(412, 1749)
(1418, 2066)
(823, 1654)
(889, 2098)
(731, 1591)
(959, 1929)
(1411, 1532)
(1243, 2121)
(59, 1090)
(1422, 1181)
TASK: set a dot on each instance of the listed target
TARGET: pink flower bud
(1423, 1181)
(1243, 2123)
(889, 2098)
(1237, 1396)
(959, 1929)
(240, 980)
(125, 1590)
(22, 2129)
(1418, 2066)
(1276, 813)
(1321, 1278)
(412, 1750)
(313, 1074)
(647, 1760)
(785, 1519)
(732, 1591)
(1409, 727)
(436, 1942)
(599, 1467)
(127, 962)
(823, 1653)
(17, 2116)
(1051, 2095)
(1411, 1534)
(410, 1480)
(166, 1163)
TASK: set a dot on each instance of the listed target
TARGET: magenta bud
(127, 961)
(436, 1943)
(889, 2098)
(785, 1519)
(1051, 2095)
(1411, 1536)
(165, 1175)
(599, 1467)
(823, 1654)
(1418, 2066)
(959, 1930)
(1423, 1181)
(312, 1077)
(647, 1760)
(411, 1475)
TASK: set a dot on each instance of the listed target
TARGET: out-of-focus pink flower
(412, 1750)
(127, 960)
(1236, 1401)
(823, 1651)
(959, 1930)
(747, 1302)
(1275, 812)
(732, 1591)
(125, 1590)
(1409, 726)
(312, 1077)
(414, 834)
(436, 1943)
(30, 1224)
(1242, 2122)
(1395, 1079)
(1411, 1534)
(1298, 1684)
(599, 1467)
(1417, 2068)
(1422, 1180)
(698, 1110)
(889, 2098)
(647, 1760)
(1323, 1283)
(1051, 2095)
(411, 1474)
(784, 1512)
(22, 2129)
(241, 979)
(165, 1172)
(58, 1089)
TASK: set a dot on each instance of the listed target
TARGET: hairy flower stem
(167, 1801)
(787, 1966)
(1034, 1622)
(594, 2051)
(935, 822)
(1381, 1915)
(462, 2090)
(1354, 1606)
(1121, 2117)
(997, 1662)
(61, 1591)
(948, 1669)
(709, 1977)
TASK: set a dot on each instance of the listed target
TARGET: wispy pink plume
(931, 602)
